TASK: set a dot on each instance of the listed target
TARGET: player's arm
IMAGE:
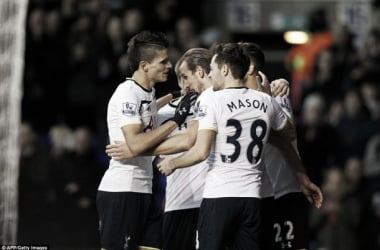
(278, 87)
(282, 122)
(119, 150)
(207, 127)
(287, 130)
(309, 189)
(139, 141)
(162, 101)
(178, 143)
(286, 134)
(199, 152)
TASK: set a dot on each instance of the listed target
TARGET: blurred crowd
(74, 59)
(75, 53)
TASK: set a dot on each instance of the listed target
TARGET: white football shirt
(130, 104)
(184, 188)
(280, 173)
(242, 119)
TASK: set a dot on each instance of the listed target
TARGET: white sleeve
(278, 118)
(206, 114)
(285, 105)
(167, 112)
(201, 99)
(128, 103)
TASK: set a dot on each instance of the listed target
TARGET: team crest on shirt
(129, 108)
(200, 110)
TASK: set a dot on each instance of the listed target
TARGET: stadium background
(75, 57)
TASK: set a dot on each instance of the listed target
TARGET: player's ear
(224, 69)
(251, 69)
(144, 65)
(200, 72)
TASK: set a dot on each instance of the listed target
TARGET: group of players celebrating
(227, 145)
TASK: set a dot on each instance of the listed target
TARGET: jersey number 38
(258, 131)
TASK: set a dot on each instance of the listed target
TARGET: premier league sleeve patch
(202, 111)
(129, 109)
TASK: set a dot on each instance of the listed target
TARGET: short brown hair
(143, 47)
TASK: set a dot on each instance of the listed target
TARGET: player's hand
(280, 87)
(184, 106)
(166, 166)
(312, 192)
(264, 84)
(119, 151)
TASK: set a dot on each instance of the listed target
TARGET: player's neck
(143, 80)
(207, 83)
(233, 83)
(251, 82)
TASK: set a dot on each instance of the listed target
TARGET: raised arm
(308, 188)
(138, 142)
(199, 152)
(162, 101)
(280, 87)
(171, 145)
(178, 143)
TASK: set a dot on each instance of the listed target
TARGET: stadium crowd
(75, 58)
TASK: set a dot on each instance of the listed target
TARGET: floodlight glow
(296, 37)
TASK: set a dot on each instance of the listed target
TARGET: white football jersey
(280, 173)
(266, 182)
(184, 188)
(242, 119)
(202, 98)
(130, 104)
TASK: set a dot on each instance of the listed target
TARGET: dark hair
(197, 57)
(233, 55)
(254, 53)
(215, 47)
(143, 47)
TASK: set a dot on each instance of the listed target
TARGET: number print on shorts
(289, 233)
(258, 131)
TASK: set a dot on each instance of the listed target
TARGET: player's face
(216, 75)
(159, 67)
(189, 78)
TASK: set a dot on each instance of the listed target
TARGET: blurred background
(75, 57)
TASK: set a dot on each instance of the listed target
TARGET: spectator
(336, 223)
(353, 172)
(35, 190)
(316, 135)
(370, 92)
(64, 183)
(372, 160)
(88, 174)
(355, 127)
(324, 78)
(133, 22)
